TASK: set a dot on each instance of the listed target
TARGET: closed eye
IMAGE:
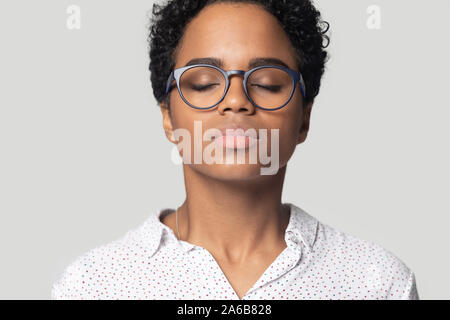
(204, 87)
(273, 88)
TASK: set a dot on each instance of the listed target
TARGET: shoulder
(98, 273)
(378, 271)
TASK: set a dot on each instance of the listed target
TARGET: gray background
(83, 156)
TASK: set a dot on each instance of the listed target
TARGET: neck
(235, 220)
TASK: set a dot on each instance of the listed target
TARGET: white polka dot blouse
(319, 262)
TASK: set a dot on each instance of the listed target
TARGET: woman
(232, 237)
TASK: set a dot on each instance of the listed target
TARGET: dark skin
(232, 210)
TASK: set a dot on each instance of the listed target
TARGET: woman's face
(235, 34)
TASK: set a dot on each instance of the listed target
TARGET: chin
(230, 172)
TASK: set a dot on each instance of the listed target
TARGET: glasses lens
(202, 87)
(269, 88)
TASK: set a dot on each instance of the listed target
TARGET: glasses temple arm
(302, 84)
(169, 81)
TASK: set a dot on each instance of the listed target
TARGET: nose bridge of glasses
(235, 72)
(232, 72)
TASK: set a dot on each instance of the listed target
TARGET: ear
(305, 123)
(167, 122)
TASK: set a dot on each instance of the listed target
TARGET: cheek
(289, 129)
(287, 141)
(287, 120)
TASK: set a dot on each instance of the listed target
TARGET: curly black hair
(299, 18)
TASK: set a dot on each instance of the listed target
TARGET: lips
(239, 131)
(236, 142)
(237, 137)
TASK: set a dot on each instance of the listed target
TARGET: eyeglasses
(203, 86)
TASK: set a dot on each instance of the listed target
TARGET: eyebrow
(253, 63)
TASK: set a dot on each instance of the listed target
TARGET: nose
(235, 99)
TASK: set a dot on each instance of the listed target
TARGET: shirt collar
(302, 228)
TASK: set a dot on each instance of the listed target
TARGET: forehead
(236, 34)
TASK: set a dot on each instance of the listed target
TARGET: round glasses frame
(295, 75)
